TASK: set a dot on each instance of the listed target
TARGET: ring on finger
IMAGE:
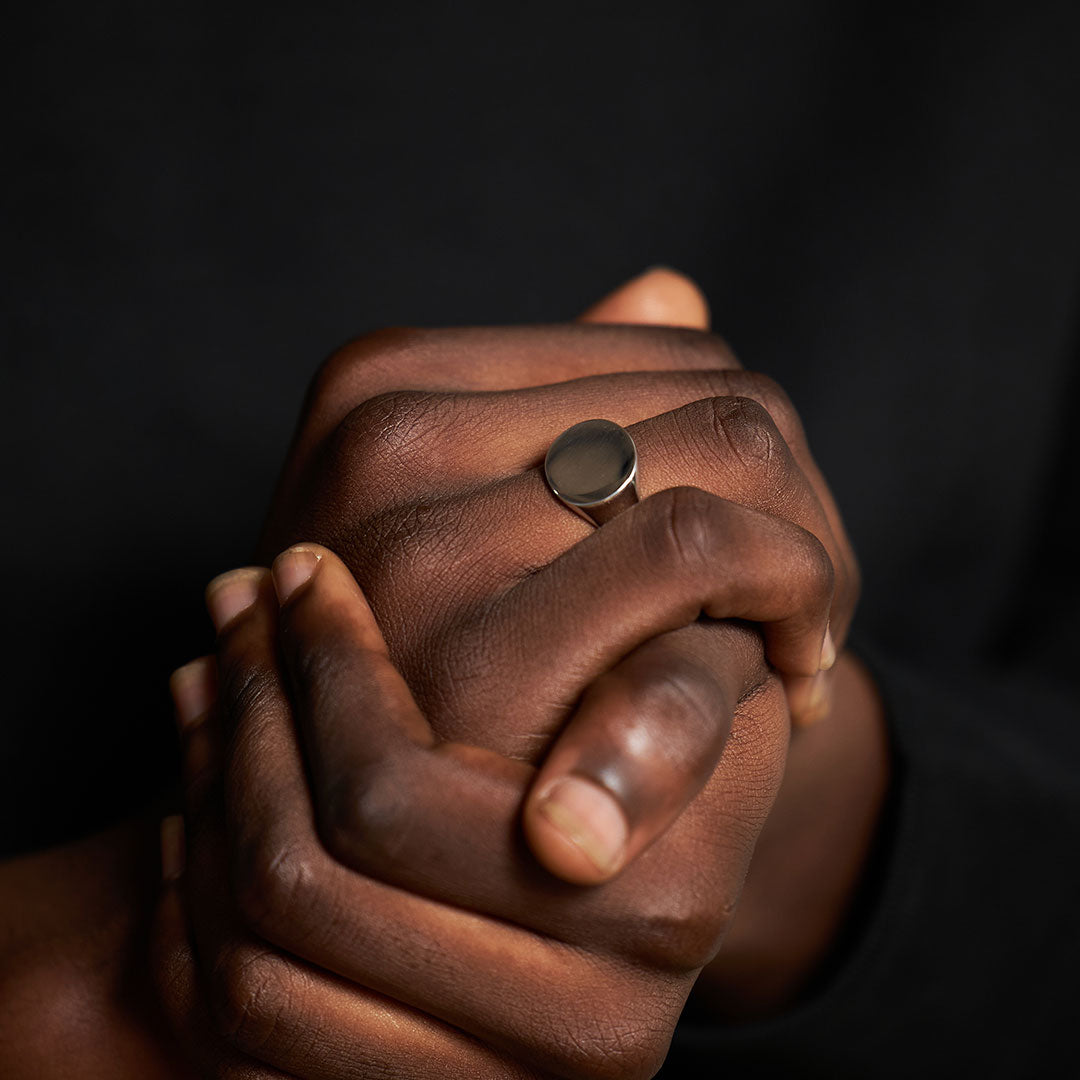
(592, 468)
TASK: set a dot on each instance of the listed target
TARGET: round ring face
(591, 462)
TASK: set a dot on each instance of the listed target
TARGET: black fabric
(201, 200)
(963, 964)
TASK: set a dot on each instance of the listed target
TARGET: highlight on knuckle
(246, 685)
(397, 433)
(365, 823)
(680, 930)
(271, 882)
(251, 993)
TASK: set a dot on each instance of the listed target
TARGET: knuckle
(389, 429)
(746, 429)
(246, 682)
(684, 521)
(807, 566)
(391, 442)
(366, 824)
(271, 880)
(820, 571)
(773, 398)
(251, 992)
(364, 360)
(682, 930)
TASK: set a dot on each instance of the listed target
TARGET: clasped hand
(471, 788)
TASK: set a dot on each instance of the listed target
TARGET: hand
(596, 732)
(513, 982)
(407, 484)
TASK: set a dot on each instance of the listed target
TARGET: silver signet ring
(592, 468)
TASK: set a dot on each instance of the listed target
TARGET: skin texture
(411, 474)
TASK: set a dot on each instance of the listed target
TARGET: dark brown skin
(419, 498)
(412, 489)
(75, 999)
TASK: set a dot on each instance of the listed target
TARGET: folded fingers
(289, 891)
(680, 554)
(242, 1009)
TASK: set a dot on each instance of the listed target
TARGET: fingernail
(589, 817)
(173, 854)
(828, 650)
(291, 569)
(229, 594)
(193, 688)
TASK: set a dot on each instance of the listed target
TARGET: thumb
(658, 297)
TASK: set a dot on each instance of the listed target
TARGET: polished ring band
(592, 468)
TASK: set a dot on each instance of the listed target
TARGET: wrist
(810, 857)
(73, 979)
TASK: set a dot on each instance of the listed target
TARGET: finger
(463, 359)
(175, 978)
(194, 693)
(511, 357)
(680, 554)
(410, 443)
(292, 894)
(407, 444)
(409, 447)
(644, 741)
(728, 446)
(408, 431)
(645, 738)
(290, 1016)
(659, 297)
(278, 1010)
(440, 819)
(751, 450)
